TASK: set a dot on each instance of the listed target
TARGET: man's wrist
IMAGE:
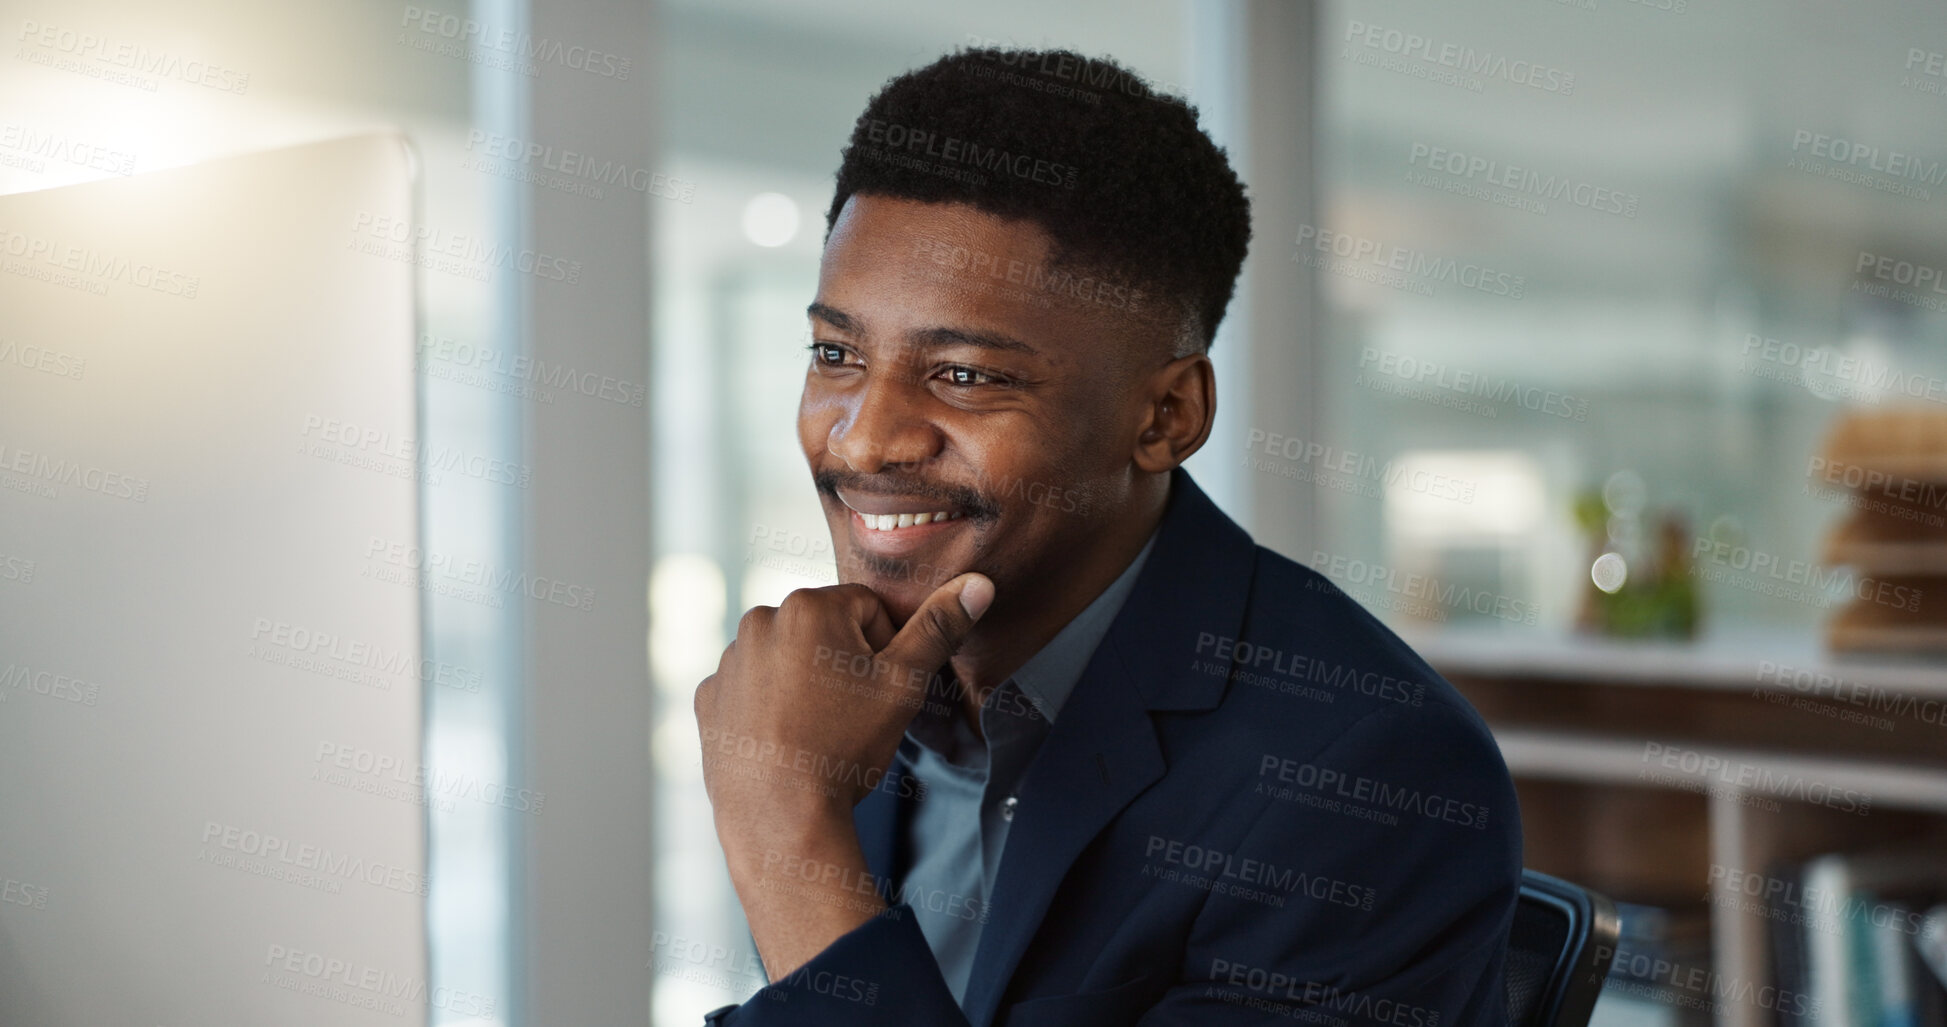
(755, 837)
(802, 880)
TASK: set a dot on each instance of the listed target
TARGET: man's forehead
(893, 264)
(882, 225)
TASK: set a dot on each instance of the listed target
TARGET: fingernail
(976, 595)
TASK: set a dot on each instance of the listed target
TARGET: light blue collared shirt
(960, 826)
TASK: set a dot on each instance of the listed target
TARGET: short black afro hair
(1119, 176)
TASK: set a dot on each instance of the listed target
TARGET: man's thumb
(942, 622)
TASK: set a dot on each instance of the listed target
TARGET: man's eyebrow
(928, 336)
(832, 316)
(963, 337)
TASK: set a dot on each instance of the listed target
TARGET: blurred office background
(1569, 331)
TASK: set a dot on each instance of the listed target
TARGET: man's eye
(827, 353)
(962, 375)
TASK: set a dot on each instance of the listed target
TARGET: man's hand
(798, 724)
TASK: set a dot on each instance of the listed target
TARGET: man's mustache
(957, 497)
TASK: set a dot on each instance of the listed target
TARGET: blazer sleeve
(879, 974)
(1401, 924)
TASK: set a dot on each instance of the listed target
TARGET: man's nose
(886, 425)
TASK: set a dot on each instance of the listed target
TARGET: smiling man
(1066, 746)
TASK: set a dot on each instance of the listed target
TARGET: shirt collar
(1045, 680)
(1052, 673)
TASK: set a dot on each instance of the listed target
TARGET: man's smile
(889, 512)
(898, 524)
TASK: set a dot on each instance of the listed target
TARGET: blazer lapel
(1102, 750)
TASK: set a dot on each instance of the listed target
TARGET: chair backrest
(1559, 950)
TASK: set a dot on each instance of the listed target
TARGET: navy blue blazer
(1257, 805)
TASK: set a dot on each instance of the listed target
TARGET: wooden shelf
(1725, 659)
(1603, 759)
(1578, 721)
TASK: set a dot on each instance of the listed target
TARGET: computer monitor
(210, 656)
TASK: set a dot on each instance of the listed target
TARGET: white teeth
(893, 522)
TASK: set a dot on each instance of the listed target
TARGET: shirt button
(1008, 806)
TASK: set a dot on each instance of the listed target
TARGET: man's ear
(1180, 406)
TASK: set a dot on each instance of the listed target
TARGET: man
(1066, 746)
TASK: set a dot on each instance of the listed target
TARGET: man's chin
(902, 596)
(901, 590)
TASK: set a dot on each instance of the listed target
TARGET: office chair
(1559, 950)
